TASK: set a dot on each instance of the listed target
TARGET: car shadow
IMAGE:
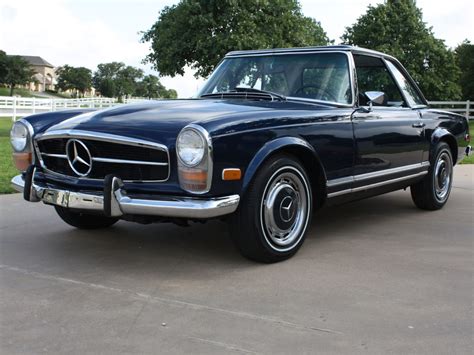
(128, 245)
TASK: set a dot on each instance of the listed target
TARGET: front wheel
(433, 191)
(83, 220)
(271, 222)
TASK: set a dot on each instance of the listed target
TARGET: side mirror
(375, 97)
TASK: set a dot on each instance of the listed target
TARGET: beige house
(45, 75)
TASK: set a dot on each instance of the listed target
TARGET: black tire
(278, 200)
(83, 220)
(433, 191)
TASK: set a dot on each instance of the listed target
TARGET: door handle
(418, 125)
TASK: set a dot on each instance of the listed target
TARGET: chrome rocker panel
(121, 204)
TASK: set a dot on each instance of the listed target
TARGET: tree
(14, 70)
(116, 79)
(198, 33)
(169, 94)
(3, 66)
(151, 88)
(105, 76)
(396, 27)
(465, 60)
(71, 78)
(126, 81)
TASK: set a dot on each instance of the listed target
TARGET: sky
(89, 32)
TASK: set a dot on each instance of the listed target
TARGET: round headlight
(19, 137)
(190, 146)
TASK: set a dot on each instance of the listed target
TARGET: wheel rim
(285, 209)
(442, 177)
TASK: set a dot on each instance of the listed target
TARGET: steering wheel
(320, 93)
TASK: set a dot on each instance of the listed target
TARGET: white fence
(16, 107)
(461, 107)
(23, 106)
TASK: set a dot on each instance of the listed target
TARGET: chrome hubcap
(442, 177)
(285, 208)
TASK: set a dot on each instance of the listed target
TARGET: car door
(389, 137)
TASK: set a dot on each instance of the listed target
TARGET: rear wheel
(273, 216)
(433, 191)
(83, 220)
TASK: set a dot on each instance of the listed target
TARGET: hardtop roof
(342, 47)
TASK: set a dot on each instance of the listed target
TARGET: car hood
(162, 120)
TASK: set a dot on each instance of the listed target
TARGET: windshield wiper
(244, 89)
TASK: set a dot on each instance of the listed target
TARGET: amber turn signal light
(22, 160)
(231, 174)
(193, 179)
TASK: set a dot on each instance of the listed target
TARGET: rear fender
(442, 134)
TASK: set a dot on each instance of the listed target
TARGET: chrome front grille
(93, 155)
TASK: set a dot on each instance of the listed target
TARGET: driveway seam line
(169, 301)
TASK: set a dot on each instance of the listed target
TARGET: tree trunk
(12, 86)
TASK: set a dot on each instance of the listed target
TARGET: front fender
(269, 148)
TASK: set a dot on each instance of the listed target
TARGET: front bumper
(114, 201)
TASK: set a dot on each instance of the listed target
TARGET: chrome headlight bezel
(21, 135)
(188, 139)
(196, 176)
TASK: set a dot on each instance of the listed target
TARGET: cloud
(52, 31)
(86, 33)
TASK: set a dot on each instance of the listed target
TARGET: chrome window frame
(350, 67)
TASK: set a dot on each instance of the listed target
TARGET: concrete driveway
(376, 276)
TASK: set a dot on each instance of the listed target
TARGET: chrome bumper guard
(114, 202)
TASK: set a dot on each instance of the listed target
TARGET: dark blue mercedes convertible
(272, 135)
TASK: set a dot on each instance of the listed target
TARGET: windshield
(316, 76)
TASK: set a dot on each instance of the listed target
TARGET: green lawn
(7, 170)
(20, 92)
(470, 159)
(27, 93)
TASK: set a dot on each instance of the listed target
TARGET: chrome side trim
(340, 181)
(385, 172)
(376, 174)
(105, 137)
(161, 206)
(377, 184)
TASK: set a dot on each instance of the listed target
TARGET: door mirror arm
(360, 109)
(377, 97)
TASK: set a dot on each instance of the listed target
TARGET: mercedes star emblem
(288, 211)
(79, 157)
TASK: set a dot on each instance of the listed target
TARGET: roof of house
(36, 60)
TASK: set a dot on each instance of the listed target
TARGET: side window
(330, 84)
(373, 75)
(410, 93)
